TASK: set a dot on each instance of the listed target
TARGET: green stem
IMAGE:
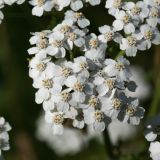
(71, 55)
(121, 53)
(154, 107)
(108, 145)
(156, 98)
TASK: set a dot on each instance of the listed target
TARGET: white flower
(4, 126)
(38, 36)
(64, 27)
(132, 114)
(39, 66)
(75, 37)
(80, 66)
(80, 87)
(62, 100)
(56, 47)
(40, 6)
(91, 102)
(108, 34)
(63, 69)
(41, 42)
(47, 85)
(148, 36)
(1, 16)
(56, 119)
(119, 69)
(4, 137)
(152, 128)
(94, 49)
(74, 4)
(155, 3)
(61, 144)
(112, 105)
(138, 10)
(113, 6)
(93, 2)
(130, 45)
(154, 150)
(4, 145)
(96, 118)
(77, 17)
(123, 21)
(154, 17)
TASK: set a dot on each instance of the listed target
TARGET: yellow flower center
(99, 115)
(83, 65)
(108, 36)
(93, 102)
(126, 19)
(78, 87)
(41, 67)
(148, 34)
(57, 43)
(93, 43)
(65, 96)
(58, 118)
(136, 10)
(40, 3)
(42, 43)
(72, 36)
(117, 3)
(66, 71)
(65, 29)
(131, 41)
(109, 83)
(79, 15)
(116, 103)
(119, 66)
(130, 111)
(48, 83)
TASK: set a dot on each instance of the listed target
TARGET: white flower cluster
(46, 5)
(152, 133)
(137, 22)
(8, 2)
(4, 137)
(75, 80)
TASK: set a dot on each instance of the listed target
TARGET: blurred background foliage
(17, 94)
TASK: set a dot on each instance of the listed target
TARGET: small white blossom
(152, 128)
(132, 114)
(96, 118)
(154, 150)
(119, 68)
(77, 17)
(154, 17)
(56, 119)
(108, 34)
(113, 6)
(138, 10)
(4, 137)
(40, 6)
(148, 36)
(123, 21)
(94, 48)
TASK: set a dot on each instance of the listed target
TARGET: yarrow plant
(75, 78)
